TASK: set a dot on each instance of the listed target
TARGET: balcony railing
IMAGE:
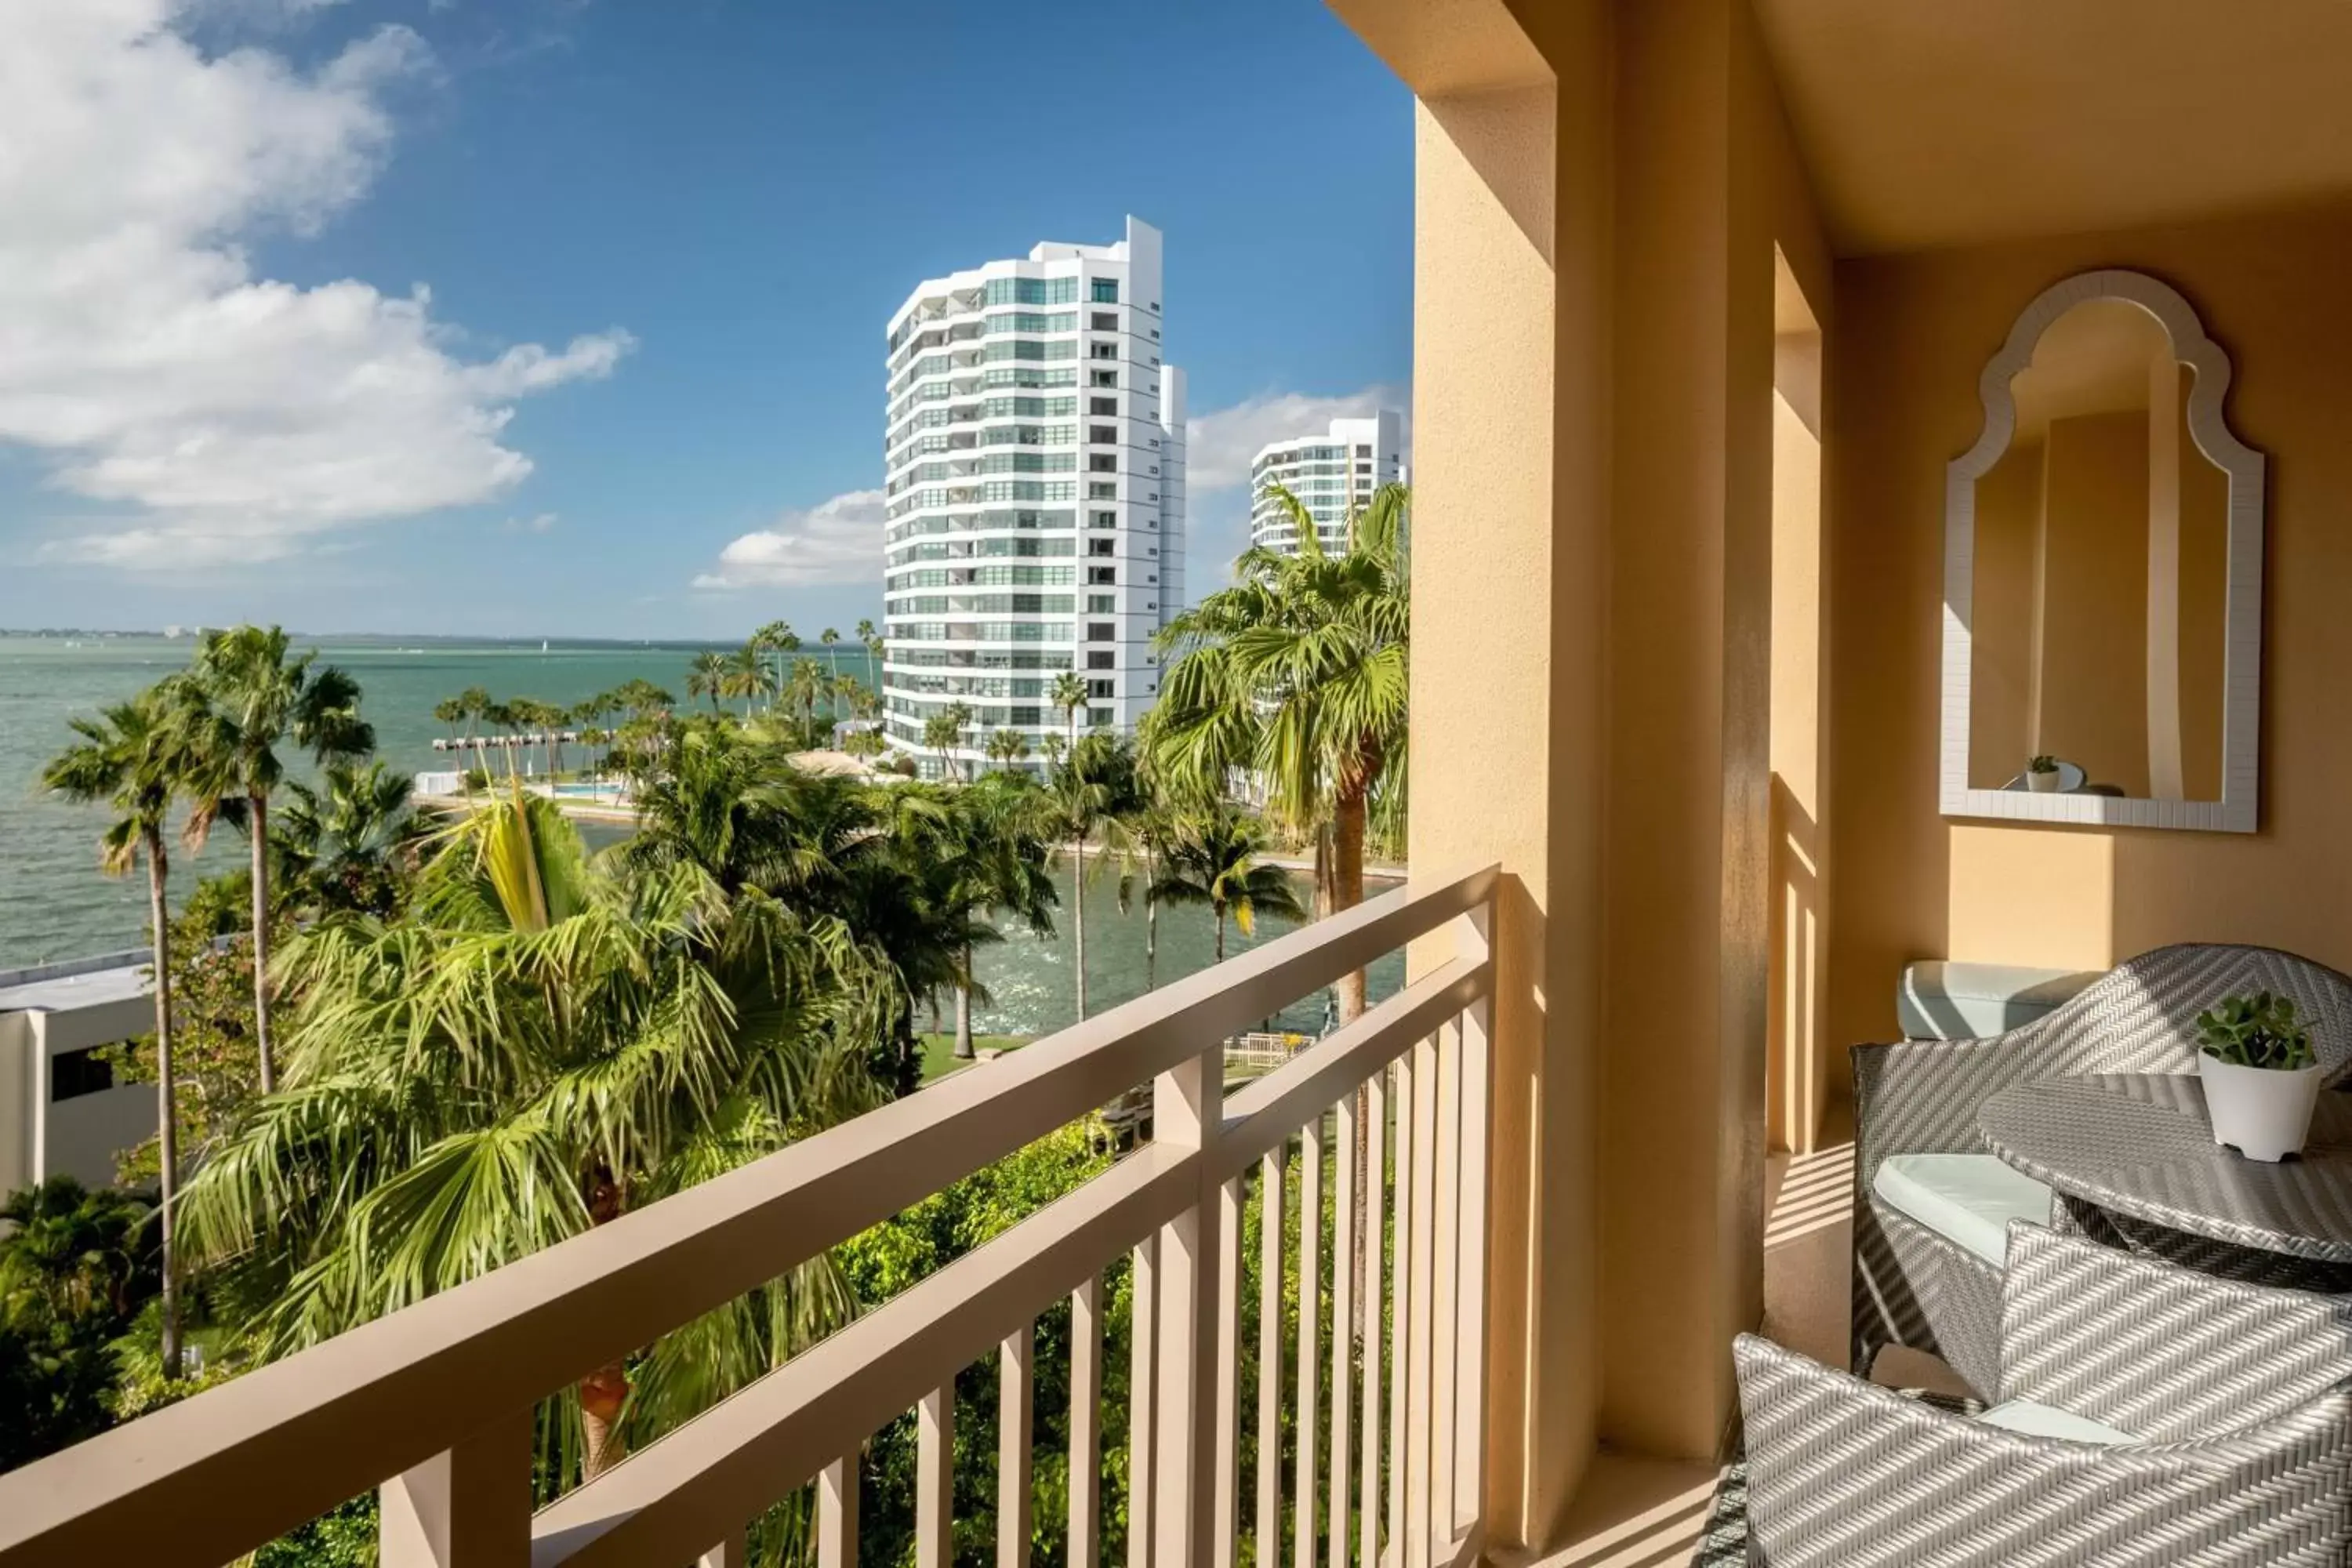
(432, 1405)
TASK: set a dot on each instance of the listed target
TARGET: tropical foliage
(1213, 859)
(541, 1047)
(1295, 676)
(133, 759)
(492, 1040)
(76, 1268)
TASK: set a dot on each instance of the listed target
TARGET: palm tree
(466, 708)
(943, 733)
(1006, 747)
(130, 760)
(1147, 833)
(832, 662)
(1213, 860)
(1297, 673)
(588, 716)
(546, 721)
(778, 638)
(544, 1044)
(805, 687)
(254, 696)
(705, 676)
(746, 675)
(501, 717)
(70, 1252)
(1069, 694)
(990, 847)
(344, 847)
(638, 698)
(1091, 787)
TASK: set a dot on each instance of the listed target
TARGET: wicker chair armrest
(1920, 1097)
(1845, 1474)
(2156, 1349)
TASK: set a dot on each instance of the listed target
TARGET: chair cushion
(2049, 1421)
(1969, 1199)
(1939, 1000)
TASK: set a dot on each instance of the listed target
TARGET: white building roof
(65, 993)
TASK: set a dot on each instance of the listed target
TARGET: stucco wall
(1914, 334)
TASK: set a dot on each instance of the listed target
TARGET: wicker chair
(2206, 1422)
(1914, 1285)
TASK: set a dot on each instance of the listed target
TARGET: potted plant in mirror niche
(2261, 1076)
(2041, 776)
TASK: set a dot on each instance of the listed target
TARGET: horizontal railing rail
(426, 1399)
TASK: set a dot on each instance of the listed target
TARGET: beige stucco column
(1597, 197)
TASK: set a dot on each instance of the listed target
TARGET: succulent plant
(2257, 1031)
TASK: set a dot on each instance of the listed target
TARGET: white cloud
(222, 416)
(541, 522)
(1220, 445)
(838, 541)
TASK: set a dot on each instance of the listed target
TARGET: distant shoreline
(622, 816)
(551, 643)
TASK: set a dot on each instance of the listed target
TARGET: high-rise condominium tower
(1332, 473)
(1035, 460)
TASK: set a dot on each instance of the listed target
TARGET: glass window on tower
(1106, 290)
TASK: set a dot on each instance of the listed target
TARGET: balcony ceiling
(1931, 122)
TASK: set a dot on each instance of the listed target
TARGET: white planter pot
(2265, 1114)
(2043, 784)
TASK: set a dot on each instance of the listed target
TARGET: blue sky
(505, 316)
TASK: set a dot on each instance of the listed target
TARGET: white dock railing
(432, 1405)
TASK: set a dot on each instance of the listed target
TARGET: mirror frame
(2236, 811)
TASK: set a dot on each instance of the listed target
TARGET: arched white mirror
(2102, 573)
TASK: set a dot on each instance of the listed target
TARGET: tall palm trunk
(1078, 916)
(605, 1391)
(963, 1008)
(167, 1130)
(1219, 906)
(1151, 941)
(258, 804)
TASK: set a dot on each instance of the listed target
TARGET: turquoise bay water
(54, 904)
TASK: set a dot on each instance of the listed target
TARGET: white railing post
(1085, 1421)
(935, 1479)
(1269, 1355)
(1142, 1403)
(1420, 1417)
(1376, 1135)
(1015, 1425)
(1305, 1483)
(467, 1507)
(1401, 1305)
(837, 1513)
(1225, 1446)
(1446, 1282)
(735, 1551)
(1187, 1104)
(1343, 1326)
(1474, 935)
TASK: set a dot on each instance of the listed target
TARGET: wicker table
(2133, 1161)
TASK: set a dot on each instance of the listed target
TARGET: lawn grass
(939, 1051)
